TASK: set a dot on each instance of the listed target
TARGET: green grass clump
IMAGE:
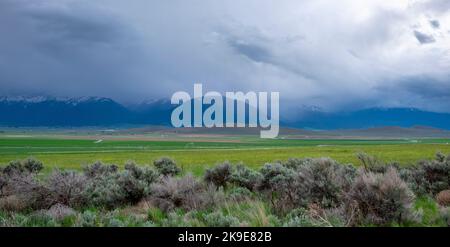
(429, 212)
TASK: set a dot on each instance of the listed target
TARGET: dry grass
(443, 198)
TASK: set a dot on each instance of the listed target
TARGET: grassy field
(130, 198)
(197, 153)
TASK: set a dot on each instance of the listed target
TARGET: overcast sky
(330, 54)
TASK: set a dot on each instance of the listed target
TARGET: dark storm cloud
(135, 50)
(62, 35)
(428, 92)
(66, 26)
(435, 24)
(71, 51)
(253, 52)
(70, 28)
(426, 87)
(424, 38)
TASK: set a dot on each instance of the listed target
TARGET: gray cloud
(421, 86)
(253, 52)
(428, 92)
(424, 38)
(435, 24)
(70, 51)
(136, 50)
(439, 6)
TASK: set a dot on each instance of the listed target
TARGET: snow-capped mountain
(40, 99)
(15, 99)
(52, 111)
(97, 111)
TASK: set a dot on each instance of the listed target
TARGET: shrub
(99, 169)
(105, 191)
(88, 218)
(445, 215)
(14, 167)
(109, 188)
(59, 212)
(113, 222)
(115, 189)
(219, 175)
(302, 217)
(29, 165)
(301, 192)
(173, 219)
(275, 177)
(32, 165)
(173, 193)
(29, 190)
(3, 183)
(12, 203)
(295, 163)
(132, 189)
(245, 177)
(371, 163)
(440, 157)
(323, 181)
(145, 174)
(379, 198)
(314, 216)
(240, 193)
(166, 166)
(299, 218)
(320, 181)
(218, 219)
(136, 181)
(443, 198)
(116, 219)
(280, 184)
(414, 177)
(66, 187)
(211, 196)
(429, 177)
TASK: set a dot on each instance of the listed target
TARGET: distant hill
(372, 118)
(392, 132)
(154, 112)
(96, 111)
(49, 111)
(291, 133)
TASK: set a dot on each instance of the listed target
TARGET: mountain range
(97, 111)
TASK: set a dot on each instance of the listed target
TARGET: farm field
(195, 154)
(33, 193)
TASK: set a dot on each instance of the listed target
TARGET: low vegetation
(316, 192)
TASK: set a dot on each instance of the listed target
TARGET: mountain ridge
(22, 111)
